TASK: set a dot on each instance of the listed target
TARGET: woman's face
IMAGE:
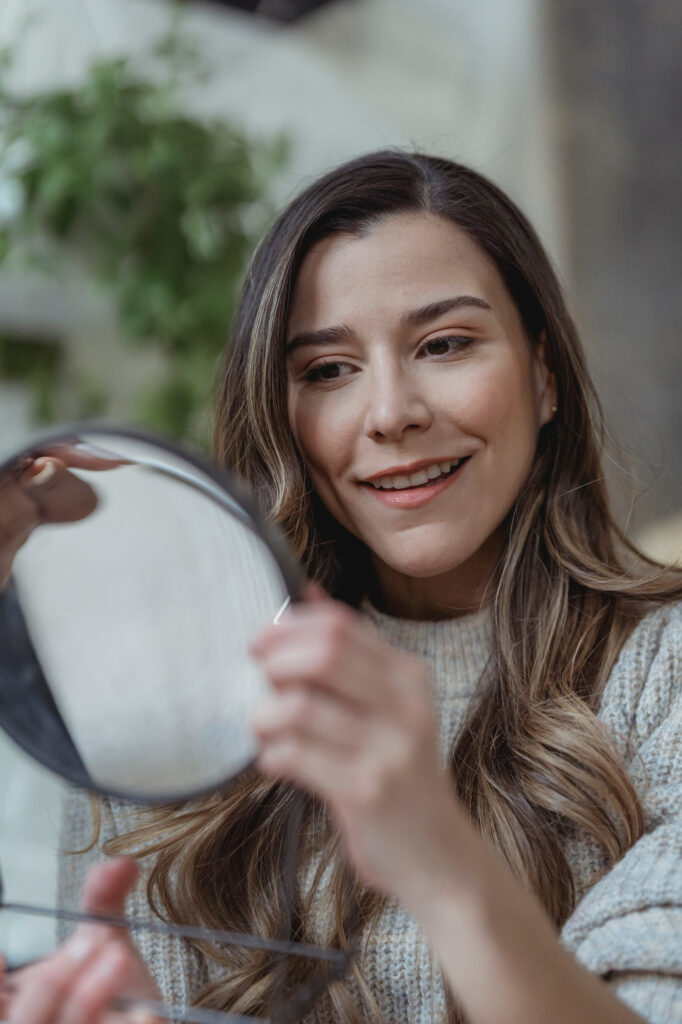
(415, 399)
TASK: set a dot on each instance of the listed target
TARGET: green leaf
(164, 207)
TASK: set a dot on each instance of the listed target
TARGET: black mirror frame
(10, 609)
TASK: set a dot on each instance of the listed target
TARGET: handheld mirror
(134, 575)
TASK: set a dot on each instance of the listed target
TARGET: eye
(328, 371)
(444, 346)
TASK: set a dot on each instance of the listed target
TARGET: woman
(492, 737)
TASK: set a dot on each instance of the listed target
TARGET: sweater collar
(457, 650)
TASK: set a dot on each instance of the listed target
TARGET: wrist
(465, 887)
(454, 875)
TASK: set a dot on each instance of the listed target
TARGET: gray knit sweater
(627, 925)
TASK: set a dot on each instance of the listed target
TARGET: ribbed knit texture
(627, 925)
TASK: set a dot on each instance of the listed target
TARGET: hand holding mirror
(133, 575)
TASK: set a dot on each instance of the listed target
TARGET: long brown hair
(532, 763)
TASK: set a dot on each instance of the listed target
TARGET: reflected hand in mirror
(41, 490)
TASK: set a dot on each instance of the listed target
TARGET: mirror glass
(138, 578)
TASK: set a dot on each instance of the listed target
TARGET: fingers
(44, 492)
(42, 988)
(40, 471)
(58, 495)
(339, 753)
(311, 715)
(314, 766)
(96, 988)
(316, 644)
(108, 884)
(40, 489)
(76, 986)
(79, 983)
(327, 645)
(105, 890)
(81, 455)
(18, 514)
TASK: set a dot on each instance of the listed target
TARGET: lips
(402, 481)
(415, 475)
(414, 495)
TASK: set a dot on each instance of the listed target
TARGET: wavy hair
(533, 765)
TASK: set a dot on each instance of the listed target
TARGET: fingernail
(79, 947)
(42, 476)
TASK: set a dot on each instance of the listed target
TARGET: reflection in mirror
(132, 579)
(138, 582)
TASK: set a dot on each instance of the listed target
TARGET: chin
(426, 563)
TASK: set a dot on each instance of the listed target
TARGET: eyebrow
(413, 318)
(425, 314)
(325, 336)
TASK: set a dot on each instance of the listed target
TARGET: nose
(394, 404)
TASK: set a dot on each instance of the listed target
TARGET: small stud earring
(554, 409)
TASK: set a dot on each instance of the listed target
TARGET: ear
(545, 381)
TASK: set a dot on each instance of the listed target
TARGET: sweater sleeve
(628, 926)
(177, 967)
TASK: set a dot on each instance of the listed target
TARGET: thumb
(107, 886)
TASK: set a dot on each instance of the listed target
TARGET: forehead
(405, 261)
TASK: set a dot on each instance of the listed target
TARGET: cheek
(496, 404)
(512, 434)
(492, 400)
(325, 433)
(322, 431)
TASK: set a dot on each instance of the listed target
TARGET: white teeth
(422, 476)
(418, 478)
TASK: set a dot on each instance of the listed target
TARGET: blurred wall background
(572, 107)
(617, 83)
(460, 79)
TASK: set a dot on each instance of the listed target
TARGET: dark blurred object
(278, 10)
(36, 362)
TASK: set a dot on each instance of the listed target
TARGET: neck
(457, 592)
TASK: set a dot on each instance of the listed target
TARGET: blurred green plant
(36, 362)
(165, 208)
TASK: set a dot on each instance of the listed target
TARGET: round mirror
(133, 577)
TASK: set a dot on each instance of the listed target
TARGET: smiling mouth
(424, 478)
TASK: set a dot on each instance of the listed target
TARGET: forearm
(500, 953)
